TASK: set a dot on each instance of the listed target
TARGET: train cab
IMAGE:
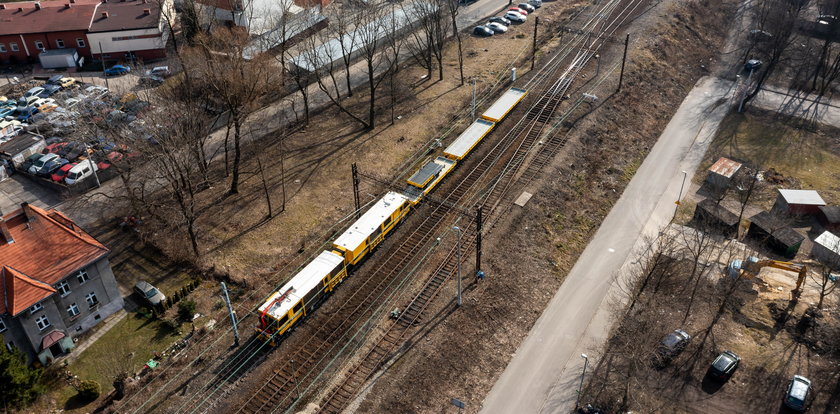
(370, 229)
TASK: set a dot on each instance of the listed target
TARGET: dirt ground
(755, 318)
(463, 352)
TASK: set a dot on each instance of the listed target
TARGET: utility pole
(232, 315)
(534, 45)
(623, 59)
(356, 198)
(478, 239)
(459, 263)
(92, 165)
(102, 59)
(744, 94)
(582, 376)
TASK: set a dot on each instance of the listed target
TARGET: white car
(497, 27)
(515, 17)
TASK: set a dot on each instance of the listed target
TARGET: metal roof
(806, 197)
(725, 167)
(303, 282)
(829, 240)
(468, 139)
(504, 104)
(370, 221)
(832, 213)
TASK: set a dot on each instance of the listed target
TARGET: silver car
(149, 293)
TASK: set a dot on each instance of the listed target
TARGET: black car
(527, 7)
(724, 366)
(500, 20)
(671, 345)
(51, 167)
(51, 89)
(483, 31)
(54, 80)
(72, 150)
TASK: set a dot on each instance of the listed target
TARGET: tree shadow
(75, 402)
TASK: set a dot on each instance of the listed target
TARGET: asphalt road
(545, 372)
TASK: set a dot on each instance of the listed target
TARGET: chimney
(20, 9)
(145, 1)
(147, 12)
(37, 5)
(27, 212)
(73, 1)
(2, 6)
(7, 235)
(66, 5)
(105, 15)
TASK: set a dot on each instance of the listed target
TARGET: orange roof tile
(22, 291)
(47, 247)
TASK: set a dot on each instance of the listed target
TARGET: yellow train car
(300, 295)
(370, 229)
(469, 139)
(423, 181)
(499, 110)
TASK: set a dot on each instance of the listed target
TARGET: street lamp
(459, 263)
(582, 376)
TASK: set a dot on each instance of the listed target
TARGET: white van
(80, 172)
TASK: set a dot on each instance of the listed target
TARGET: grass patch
(811, 158)
(127, 346)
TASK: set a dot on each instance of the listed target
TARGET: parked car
(752, 64)
(51, 89)
(32, 92)
(500, 20)
(51, 167)
(515, 17)
(80, 172)
(55, 79)
(29, 100)
(4, 112)
(117, 70)
(59, 174)
(483, 31)
(54, 148)
(535, 3)
(724, 365)
(67, 83)
(25, 113)
(527, 7)
(41, 162)
(42, 101)
(671, 345)
(72, 150)
(149, 293)
(29, 161)
(497, 27)
(796, 396)
(162, 71)
(518, 10)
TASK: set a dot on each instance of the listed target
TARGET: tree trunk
(193, 236)
(372, 105)
(227, 137)
(237, 156)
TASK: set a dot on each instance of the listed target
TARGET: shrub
(89, 390)
(186, 310)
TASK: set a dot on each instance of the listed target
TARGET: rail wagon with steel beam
(468, 139)
(422, 182)
(499, 110)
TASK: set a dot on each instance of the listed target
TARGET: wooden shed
(829, 218)
(827, 249)
(798, 202)
(714, 218)
(780, 238)
(721, 173)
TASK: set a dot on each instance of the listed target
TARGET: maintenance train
(298, 297)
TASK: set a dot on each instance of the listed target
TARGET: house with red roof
(123, 29)
(55, 282)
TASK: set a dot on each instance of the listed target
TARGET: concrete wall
(143, 39)
(28, 52)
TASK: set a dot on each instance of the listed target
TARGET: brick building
(133, 28)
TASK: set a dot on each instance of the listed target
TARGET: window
(14, 47)
(42, 322)
(2, 326)
(10, 346)
(80, 42)
(73, 310)
(2, 48)
(40, 45)
(63, 288)
(82, 276)
(36, 307)
(59, 43)
(91, 299)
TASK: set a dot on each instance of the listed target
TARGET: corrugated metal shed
(831, 214)
(802, 197)
(829, 240)
(725, 167)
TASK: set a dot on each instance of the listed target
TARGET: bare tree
(452, 8)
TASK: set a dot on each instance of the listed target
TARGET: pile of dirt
(774, 177)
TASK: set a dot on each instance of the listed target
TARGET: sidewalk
(101, 329)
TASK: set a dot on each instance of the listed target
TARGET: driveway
(18, 189)
(544, 375)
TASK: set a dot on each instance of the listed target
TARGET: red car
(518, 10)
(58, 175)
(54, 148)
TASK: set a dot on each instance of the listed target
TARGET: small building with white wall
(130, 30)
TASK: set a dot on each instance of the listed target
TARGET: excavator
(750, 268)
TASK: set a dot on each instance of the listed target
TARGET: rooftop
(45, 247)
(725, 167)
(125, 15)
(47, 16)
(777, 228)
(832, 213)
(829, 240)
(19, 143)
(806, 197)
